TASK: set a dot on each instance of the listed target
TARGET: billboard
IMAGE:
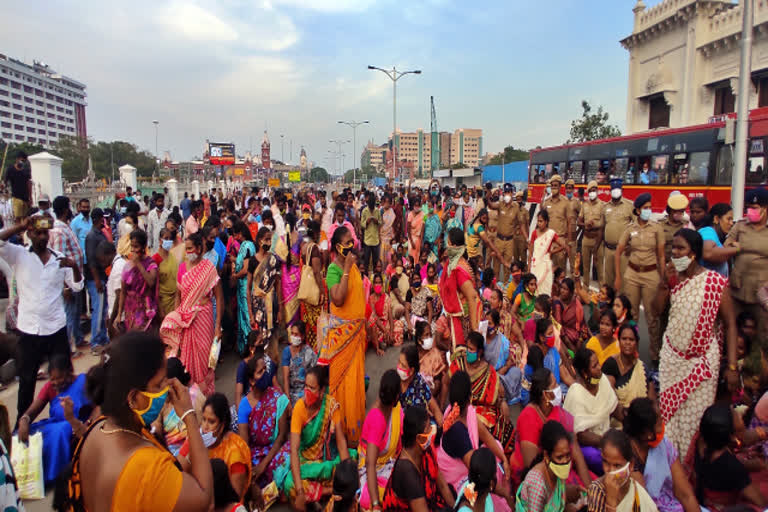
(221, 153)
(274, 182)
(294, 176)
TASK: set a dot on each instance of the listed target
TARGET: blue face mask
(156, 403)
(264, 381)
(123, 210)
(167, 245)
(569, 195)
(645, 214)
(471, 357)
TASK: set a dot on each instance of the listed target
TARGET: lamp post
(157, 157)
(738, 178)
(354, 125)
(282, 148)
(394, 75)
(338, 151)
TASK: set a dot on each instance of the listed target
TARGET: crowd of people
(519, 383)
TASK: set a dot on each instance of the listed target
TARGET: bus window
(619, 169)
(724, 169)
(756, 174)
(593, 166)
(576, 171)
(659, 169)
(631, 171)
(697, 169)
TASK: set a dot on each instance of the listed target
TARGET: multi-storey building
(39, 105)
(467, 147)
(374, 155)
(463, 146)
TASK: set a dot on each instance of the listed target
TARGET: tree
(592, 125)
(510, 155)
(14, 149)
(106, 154)
(459, 165)
(318, 175)
(363, 175)
(74, 151)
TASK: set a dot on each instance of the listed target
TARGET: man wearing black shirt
(19, 177)
(95, 281)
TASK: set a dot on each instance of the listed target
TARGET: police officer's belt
(610, 246)
(505, 238)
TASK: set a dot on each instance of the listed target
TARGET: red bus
(694, 160)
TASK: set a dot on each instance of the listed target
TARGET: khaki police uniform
(505, 235)
(750, 271)
(574, 210)
(592, 214)
(490, 259)
(641, 280)
(617, 217)
(520, 228)
(670, 228)
(558, 207)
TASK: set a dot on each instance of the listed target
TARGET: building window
(762, 92)
(19, 127)
(725, 102)
(5, 124)
(41, 132)
(658, 112)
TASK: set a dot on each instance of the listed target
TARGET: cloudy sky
(225, 70)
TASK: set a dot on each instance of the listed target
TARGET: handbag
(309, 292)
(213, 355)
(27, 462)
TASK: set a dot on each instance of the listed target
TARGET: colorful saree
(190, 328)
(343, 350)
(457, 312)
(166, 284)
(140, 299)
(234, 452)
(247, 250)
(311, 314)
(541, 263)
(389, 449)
(534, 496)
(486, 387)
(432, 230)
(263, 423)
(263, 295)
(415, 222)
(428, 471)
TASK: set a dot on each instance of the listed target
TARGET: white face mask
(616, 193)
(191, 256)
(645, 214)
(402, 373)
(622, 474)
(592, 195)
(681, 264)
(296, 341)
(507, 199)
(208, 438)
(426, 343)
(549, 190)
(558, 400)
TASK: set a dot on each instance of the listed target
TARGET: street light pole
(354, 125)
(394, 75)
(282, 148)
(157, 157)
(742, 113)
(339, 152)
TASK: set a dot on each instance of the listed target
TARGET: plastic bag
(213, 356)
(27, 462)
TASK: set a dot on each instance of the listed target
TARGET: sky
(226, 70)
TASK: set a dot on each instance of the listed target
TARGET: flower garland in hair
(470, 493)
(451, 416)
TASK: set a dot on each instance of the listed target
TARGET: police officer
(645, 240)
(508, 212)
(520, 228)
(750, 264)
(618, 215)
(676, 205)
(491, 196)
(557, 207)
(592, 219)
(574, 209)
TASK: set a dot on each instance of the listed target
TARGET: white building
(684, 62)
(39, 105)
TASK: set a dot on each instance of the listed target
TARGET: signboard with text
(274, 182)
(294, 176)
(221, 153)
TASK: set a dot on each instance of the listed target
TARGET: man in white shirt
(155, 222)
(41, 274)
(108, 256)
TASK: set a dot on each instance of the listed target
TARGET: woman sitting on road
(414, 390)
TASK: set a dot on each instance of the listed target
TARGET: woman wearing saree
(433, 228)
(380, 321)
(542, 243)
(138, 295)
(459, 296)
(311, 255)
(543, 489)
(525, 302)
(240, 275)
(167, 269)
(690, 354)
(380, 441)
(290, 279)
(263, 420)
(263, 286)
(343, 344)
(626, 371)
(415, 228)
(317, 443)
(191, 328)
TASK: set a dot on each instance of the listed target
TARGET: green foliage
(592, 125)
(14, 149)
(459, 165)
(510, 155)
(74, 151)
(364, 174)
(104, 154)
(318, 175)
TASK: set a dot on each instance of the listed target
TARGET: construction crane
(435, 145)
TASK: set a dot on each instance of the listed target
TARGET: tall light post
(157, 157)
(354, 125)
(742, 111)
(282, 148)
(339, 143)
(394, 75)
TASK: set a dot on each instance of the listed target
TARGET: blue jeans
(98, 314)
(72, 311)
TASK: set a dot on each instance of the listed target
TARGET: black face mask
(265, 247)
(209, 245)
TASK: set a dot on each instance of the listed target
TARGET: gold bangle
(186, 413)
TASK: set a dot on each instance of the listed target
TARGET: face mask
(558, 399)
(569, 195)
(753, 215)
(645, 214)
(399, 270)
(621, 474)
(403, 373)
(452, 214)
(252, 219)
(532, 290)
(305, 216)
(592, 195)
(377, 289)
(263, 382)
(265, 247)
(191, 256)
(296, 341)
(156, 403)
(561, 471)
(594, 381)
(550, 341)
(160, 207)
(682, 263)
(426, 343)
(167, 245)
(209, 245)
(344, 250)
(311, 397)
(601, 304)
(507, 199)
(85, 214)
(425, 440)
(208, 438)
(659, 437)
(616, 193)
(471, 357)
(549, 190)
(269, 226)
(416, 285)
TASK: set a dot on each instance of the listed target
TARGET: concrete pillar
(46, 175)
(196, 189)
(128, 176)
(223, 185)
(173, 191)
